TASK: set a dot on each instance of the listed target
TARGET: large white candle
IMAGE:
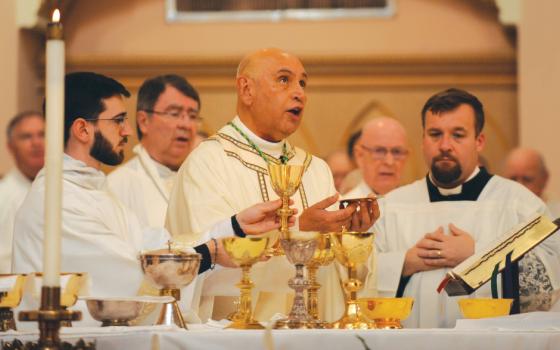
(54, 150)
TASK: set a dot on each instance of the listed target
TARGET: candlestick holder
(49, 317)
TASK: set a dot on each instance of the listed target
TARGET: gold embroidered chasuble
(223, 176)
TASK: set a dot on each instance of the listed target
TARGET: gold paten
(323, 256)
(387, 313)
(352, 249)
(484, 307)
(9, 300)
(285, 180)
(245, 252)
(169, 270)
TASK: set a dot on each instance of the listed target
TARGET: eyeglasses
(191, 115)
(119, 120)
(379, 153)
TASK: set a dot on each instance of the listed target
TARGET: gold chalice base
(293, 324)
(484, 307)
(387, 313)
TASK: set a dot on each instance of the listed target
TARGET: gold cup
(10, 299)
(323, 256)
(352, 249)
(387, 313)
(285, 180)
(484, 307)
(245, 252)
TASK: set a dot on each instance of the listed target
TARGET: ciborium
(169, 270)
(11, 290)
(245, 252)
(352, 249)
(299, 250)
(323, 256)
(285, 180)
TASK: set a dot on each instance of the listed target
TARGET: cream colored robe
(144, 186)
(223, 176)
(13, 188)
(407, 215)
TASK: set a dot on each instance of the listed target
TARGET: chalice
(169, 270)
(285, 180)
(323, 256)
(10, 296)
(352, 249)
(299, 250)
(245, 252)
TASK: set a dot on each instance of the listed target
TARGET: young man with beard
(229, 171)
(435, 223)
(167, 118)
(100, 235)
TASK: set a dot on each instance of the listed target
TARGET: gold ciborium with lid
(352, 249)
(245, 252)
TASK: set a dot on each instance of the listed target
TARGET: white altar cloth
(522, 333)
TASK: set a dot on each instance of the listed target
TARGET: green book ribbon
(494, 281)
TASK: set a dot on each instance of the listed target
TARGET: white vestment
(407, 215)
(224, 176)
(100, 235)
(13, 188)
(143, 185)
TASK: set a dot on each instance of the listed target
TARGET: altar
(539, 330)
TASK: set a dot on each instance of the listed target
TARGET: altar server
(435, 223)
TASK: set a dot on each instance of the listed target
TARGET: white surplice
(100, 235)
(143, 185)
(407, 215)
(223, 176)
(13, 188)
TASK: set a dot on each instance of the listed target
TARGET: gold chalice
(285, 180)
(352, 249)
(169, 270)
(10, 296)
(387, 313)
(323, 256)
(245, 252)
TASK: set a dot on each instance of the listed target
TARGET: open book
(472, 273)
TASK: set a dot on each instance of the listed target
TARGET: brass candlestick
(49, 317)
(245, 252)
(351, 250)
(323, 256)
(285, 180)
(10, 300)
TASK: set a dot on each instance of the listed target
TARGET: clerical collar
(468, 191)
(275, 149)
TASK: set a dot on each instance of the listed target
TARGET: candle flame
(56, 16)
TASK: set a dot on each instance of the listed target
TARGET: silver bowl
(119, 311)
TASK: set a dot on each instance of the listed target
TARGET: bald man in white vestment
(100, 235)
(25, 135)
(167, 118)
(381, 153)
(433, 224)
(229, 171)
